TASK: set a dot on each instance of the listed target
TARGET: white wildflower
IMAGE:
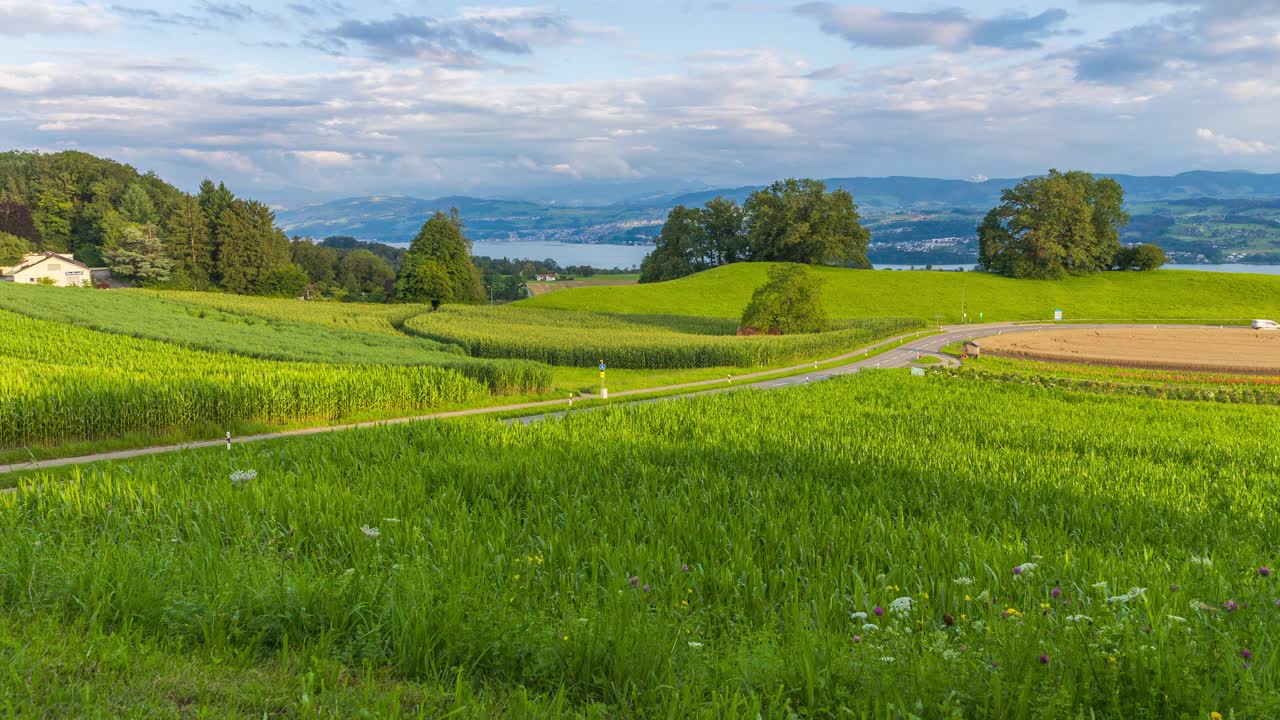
(902, 604)
(887, 659)
(241, 476)
(870, 627)
(1024, 568)
(372, 533)
(1079, 618)
(1206, 561)
(950, 654)
(391, 521)
(350, 571)
(1133, 593)
(695, 644)
(858, 616)
(963, 581)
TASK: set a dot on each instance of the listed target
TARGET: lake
(626, 256)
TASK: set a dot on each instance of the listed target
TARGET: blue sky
(303, 101)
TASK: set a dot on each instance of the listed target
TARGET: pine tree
(239, 252)
(189, 241)
(136, 205)
(137, 253)
(437, 267)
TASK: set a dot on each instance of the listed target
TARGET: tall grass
(560, 337)
(724, 556)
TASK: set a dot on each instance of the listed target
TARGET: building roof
(34, 259)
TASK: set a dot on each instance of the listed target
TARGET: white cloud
(221, 160)
(325, 158)
(1228, 145)
(24, 17)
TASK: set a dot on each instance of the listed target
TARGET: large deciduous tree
(12, 249)
(799, 221)
(679, 250)
(16, 219)
(1047, 227)
(437, 267)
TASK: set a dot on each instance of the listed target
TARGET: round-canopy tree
(437, 267)
(790, 302)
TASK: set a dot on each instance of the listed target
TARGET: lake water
(626, 256)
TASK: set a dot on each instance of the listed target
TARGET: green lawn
(1165, 294)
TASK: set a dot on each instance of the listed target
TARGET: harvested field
(1228, 350)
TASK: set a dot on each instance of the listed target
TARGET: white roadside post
(228, 440)
(604, 391)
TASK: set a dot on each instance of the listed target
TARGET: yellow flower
(1215, 716)
(566, 637)
(517, 577)
(1013, 612)
(968, 599)
(924, 595)
(1044, 606)
(963, 616)
(1111, 658)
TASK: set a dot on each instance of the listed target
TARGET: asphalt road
(899, 357)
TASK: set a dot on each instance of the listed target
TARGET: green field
(580, 339)
(1165, 295)
(711, 557)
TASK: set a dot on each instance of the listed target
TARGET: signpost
(604, 391)
(1057, 314)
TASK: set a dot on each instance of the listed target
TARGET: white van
(1266, 325)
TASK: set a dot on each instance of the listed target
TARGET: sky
(298, 102)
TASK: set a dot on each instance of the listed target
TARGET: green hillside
(1165, 295)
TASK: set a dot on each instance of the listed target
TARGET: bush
(283, 281)
(791, 302)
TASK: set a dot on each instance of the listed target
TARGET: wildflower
(1246, 654)
(1045, 606)
(924, 596)
(1264, 571)
(240, 476)
(1056, 593)
(857, 638)
(1230, 606)
(646, 587)
(1174, 588)
(870, 627)
(1024, 568)
(566, 637)
(879, 611)
(695, 644)
(390, 521)
(1044, 659)
(1215, 716)
(684, 568)
(1202, 561)
(634, 580)
(967, 598)
(858, 616)
(886, 659)
(1133, 593)
(372, 533)
(1079, 618)
(1012, 612)
(902, 604)
(963, 581)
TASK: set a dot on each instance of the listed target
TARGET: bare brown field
(1228, 350)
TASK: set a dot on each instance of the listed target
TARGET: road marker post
(604, 391)
(228, 440)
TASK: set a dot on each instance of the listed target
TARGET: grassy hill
(1165, 295)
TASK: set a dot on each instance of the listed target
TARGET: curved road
(896, 358)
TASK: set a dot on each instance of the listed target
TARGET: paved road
(896, 358)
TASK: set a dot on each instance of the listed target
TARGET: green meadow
(1162, 295)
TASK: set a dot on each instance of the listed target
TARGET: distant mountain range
(396, 219)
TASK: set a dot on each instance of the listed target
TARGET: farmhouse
(48, 268)
(547, 278)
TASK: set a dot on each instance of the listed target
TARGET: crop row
(569, 338)
(60, 383)
(874, 546)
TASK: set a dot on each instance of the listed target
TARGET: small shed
(973, 349)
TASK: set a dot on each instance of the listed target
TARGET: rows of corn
(60, 382)
(876, 546)
(569, 338)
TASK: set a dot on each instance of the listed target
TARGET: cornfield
(562, 337)
(60, 382)
(876, 546)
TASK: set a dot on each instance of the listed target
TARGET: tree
(319, 262)
(437, 267)
(360, 271)
(12, 249)
(136, 205)
(790, 302)
(287, 280)
(239, 254)
(724, 237)
(1049, 226)
(188, 240)
(16, 219)
(1145, 257)
(679, 249)
(799, 221)
(55, 206)
(136, 253)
